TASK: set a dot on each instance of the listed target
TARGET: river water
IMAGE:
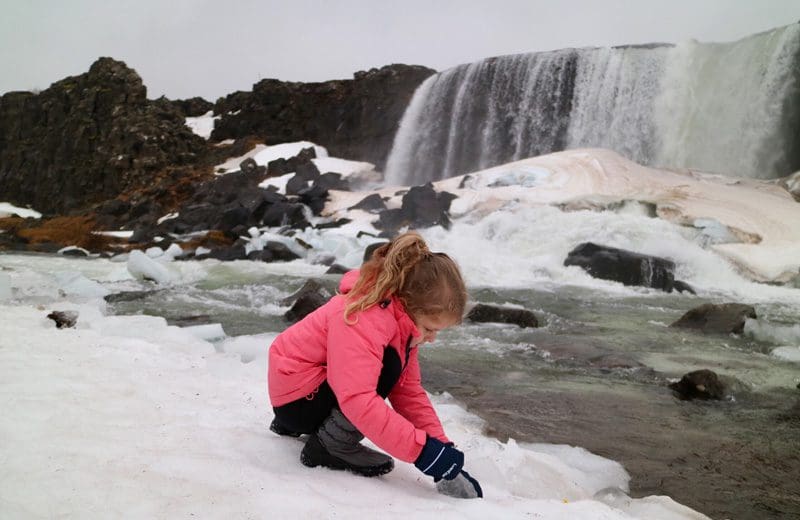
(594, 374)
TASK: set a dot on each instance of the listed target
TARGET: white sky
(183, 48)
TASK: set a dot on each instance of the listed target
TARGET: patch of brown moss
(211, 240)
(66, 231)
(12, 224)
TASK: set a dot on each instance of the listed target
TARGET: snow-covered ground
(127, 417)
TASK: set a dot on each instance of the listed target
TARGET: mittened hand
(439, 460)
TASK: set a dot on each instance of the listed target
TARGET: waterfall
(731, 108)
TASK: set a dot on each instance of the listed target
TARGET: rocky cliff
(87, 138)
(353, 119)
(95, 136)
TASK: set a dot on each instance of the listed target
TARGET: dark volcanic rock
(87, 138)
(285, 214)
(482, 313)
(337, 269)
(64, 319)
(312, 295)
(371, 203)
(711, 318)
(305, 305)
(353, 119)
(700, 384)
(422, 207)
(273, 252)
(627, 267)
(226, 254)
(129, 296)
(371, 249)
(193, 107)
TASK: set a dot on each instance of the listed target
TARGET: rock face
(483, 313)
(627, 267)
(711, 318)
(353, 119)
(87, 138)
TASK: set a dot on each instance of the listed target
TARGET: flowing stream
(593, 375)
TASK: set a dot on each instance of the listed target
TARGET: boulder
(337, 269)
(312, 295)
(273, 252)
(627, 267)
(713, 318)
(371, 203)
(422, 207)
(285, 214)
(314, 197)
(64, 319)
(482, 313)
(700, 384)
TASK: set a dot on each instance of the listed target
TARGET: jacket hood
(348, 281)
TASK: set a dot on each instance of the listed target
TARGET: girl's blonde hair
(426, 283)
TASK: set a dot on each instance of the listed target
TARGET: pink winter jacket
(322, 346)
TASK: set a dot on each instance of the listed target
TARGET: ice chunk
(787, 353)
(145, 268)
(154, 252)
(172, 252)
(208, 332)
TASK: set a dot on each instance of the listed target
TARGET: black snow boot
(337, 445)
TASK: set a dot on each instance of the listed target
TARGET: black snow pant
(305, 415)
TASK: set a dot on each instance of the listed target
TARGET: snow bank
(126, 416)
(263, 154)
(7, 210)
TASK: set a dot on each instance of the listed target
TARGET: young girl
(329, 374)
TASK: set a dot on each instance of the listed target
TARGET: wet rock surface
(626, 267)
(483, 313)
(722, 318)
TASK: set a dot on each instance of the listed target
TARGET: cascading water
(730, 108)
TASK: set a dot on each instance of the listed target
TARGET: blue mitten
(439, 460)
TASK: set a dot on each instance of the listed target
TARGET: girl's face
(430, 325)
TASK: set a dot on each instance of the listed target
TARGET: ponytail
(425, 282)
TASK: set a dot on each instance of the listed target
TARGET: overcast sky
(210, 48)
